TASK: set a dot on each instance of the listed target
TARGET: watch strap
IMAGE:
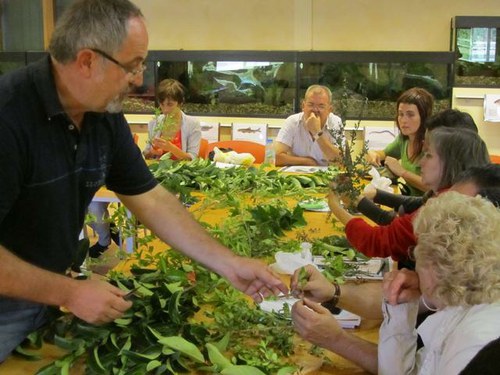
(331, 304)
(318, 134)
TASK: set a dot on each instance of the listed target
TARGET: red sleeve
(382, 241)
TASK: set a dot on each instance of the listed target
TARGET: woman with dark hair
(405, 204)
(181, 136)
(402, 156)
(173, 131)
(447, 154)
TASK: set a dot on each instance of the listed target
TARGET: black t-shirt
(49, 171)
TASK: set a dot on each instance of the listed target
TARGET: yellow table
(319, 225)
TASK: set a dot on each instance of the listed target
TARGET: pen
(382, 267)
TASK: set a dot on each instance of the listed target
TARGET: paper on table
(302, 169)
(345, 318)
(221, 165)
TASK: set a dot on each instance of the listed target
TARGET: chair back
(495, 159)
(257, 150)
(203, 148)
(210, 131)
(249, 132)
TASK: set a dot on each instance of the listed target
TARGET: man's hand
(313, 124)
(254, 278)
(97, 302)
(317, 288)
(401, 286)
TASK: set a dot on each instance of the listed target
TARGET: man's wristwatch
(318, 134)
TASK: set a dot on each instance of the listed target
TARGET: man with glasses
(305, 137)
(63, 137)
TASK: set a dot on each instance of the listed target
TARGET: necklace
(426, 305)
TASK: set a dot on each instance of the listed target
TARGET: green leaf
(156, 333)
(27, 354)
(167, 351)
(127, 345)
(142, 357)
(216, 357)
(96, 357)
(173, 307)
(152, 365)
(223, 342)
(183, 346)
(175, 287)
(68, 344)
(50, 369)
(123, 321)
(241, 370)
(287, 370)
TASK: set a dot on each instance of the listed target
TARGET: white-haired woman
(457, 274)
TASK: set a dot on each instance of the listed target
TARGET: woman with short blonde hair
(461, 245)
(458, 276)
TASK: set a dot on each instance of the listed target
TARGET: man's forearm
(331, 152)
(288, 159)
(162, 212)
(20, 279)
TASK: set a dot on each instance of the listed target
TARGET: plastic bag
(288, 263)
(379, 182)
(233, 157)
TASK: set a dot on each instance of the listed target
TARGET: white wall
(355, 25)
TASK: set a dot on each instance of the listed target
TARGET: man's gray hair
(317, 89)
(100, 24)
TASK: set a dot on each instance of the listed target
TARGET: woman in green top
(402, 156)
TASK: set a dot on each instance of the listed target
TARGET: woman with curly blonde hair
(458, 276)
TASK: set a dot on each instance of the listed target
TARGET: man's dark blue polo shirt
(49, 171)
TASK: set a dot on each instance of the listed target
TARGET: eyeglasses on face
(142, 67)
(319, 107)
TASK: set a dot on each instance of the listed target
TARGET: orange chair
(256, 149)
(203, 148)
(495, 159)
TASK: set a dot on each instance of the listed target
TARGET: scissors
(130, 294)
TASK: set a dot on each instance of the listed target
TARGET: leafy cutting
(166, 125)
(165, 331)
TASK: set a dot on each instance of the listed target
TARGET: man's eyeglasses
(319, 107)
(127, 70)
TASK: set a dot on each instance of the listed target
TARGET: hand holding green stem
(303, 278)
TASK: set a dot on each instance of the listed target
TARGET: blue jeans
(18, 319)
